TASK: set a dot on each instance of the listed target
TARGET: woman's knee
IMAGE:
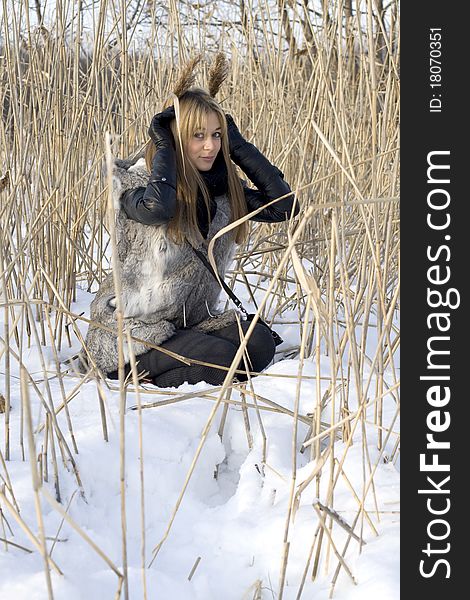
(220, 352)
(261, 347)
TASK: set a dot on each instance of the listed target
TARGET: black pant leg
(166, 371)
(218, 348)
(260, 346)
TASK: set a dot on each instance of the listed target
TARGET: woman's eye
(200, 135)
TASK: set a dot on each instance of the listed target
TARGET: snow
(233, 524)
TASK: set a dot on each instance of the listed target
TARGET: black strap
(277, 338)
(227, 290)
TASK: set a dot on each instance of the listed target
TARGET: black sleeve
(155, 204)
(270, 184)
(279, 211)
(155, 210)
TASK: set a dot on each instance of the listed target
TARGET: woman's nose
(209, 143)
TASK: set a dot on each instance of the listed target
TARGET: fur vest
(164, 285)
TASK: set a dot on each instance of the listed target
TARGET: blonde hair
(193, 108)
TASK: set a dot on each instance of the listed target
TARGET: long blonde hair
(193, 107)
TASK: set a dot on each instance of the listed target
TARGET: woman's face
(204, 145)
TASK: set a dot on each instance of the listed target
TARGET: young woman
(169, 296)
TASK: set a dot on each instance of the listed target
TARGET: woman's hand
(159, 130)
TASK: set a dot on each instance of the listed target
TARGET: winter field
(286, 486)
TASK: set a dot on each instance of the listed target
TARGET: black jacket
(156, 204)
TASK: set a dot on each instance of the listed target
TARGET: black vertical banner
(435, 260)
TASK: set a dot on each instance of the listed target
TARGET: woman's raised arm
(156, 204)
(268, 179)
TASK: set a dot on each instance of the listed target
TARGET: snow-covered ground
(232, 517)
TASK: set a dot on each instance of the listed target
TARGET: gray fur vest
(164, 285)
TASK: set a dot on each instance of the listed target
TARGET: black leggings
(218, 347)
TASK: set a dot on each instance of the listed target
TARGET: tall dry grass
(319, 95)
